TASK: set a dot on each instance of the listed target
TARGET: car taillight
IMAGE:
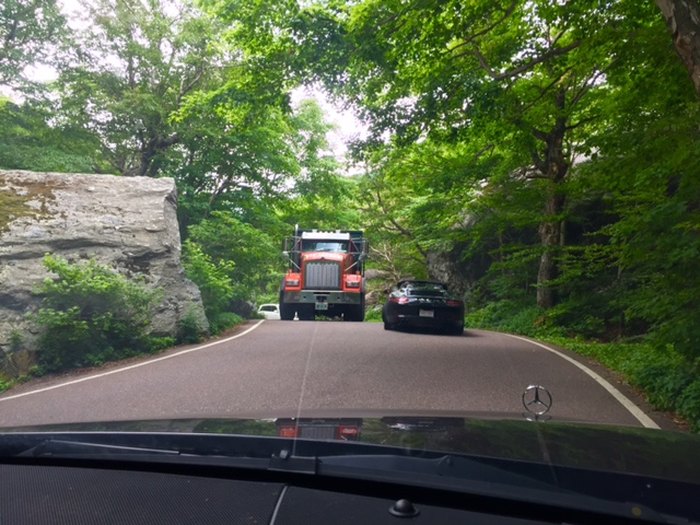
(288, 431)
(399, 300)
(347, 432)
(292, 282)
(352, 284)
(453, 302)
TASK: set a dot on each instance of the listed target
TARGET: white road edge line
(619, 396)
(131, 367)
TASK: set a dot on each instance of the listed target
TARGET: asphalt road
(279, 366)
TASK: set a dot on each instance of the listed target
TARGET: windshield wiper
(65, 448)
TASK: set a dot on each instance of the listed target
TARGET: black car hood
(638, 451)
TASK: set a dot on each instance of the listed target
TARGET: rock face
(442, 267)
(127, 223)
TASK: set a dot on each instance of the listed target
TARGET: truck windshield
(324, 246)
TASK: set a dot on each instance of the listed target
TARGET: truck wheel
(306, 312)
(355, 312)
(286, 312)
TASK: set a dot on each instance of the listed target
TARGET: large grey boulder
(129, 224)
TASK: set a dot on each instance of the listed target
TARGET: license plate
(426, 313)
(321, 306)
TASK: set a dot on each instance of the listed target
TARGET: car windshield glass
(324, 246)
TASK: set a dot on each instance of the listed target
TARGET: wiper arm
(60, 447)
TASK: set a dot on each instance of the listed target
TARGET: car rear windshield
(436, 290)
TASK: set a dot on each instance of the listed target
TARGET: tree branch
(525, 67)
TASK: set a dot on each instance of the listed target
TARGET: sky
(346, 125)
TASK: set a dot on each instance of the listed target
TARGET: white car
(269, 311)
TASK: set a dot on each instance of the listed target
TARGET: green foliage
(29, 33)
(223, 321)
(511, 316)
(373, 315)
(131, 69)
(246, 255)
(156, 344)
(212, 278)
(5, 384)
(16, 341)
(189, 330)
(90, 314)
(28, 142)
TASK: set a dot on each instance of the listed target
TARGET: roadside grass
(667, 378)
(373, 315)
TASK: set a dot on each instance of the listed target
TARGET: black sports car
(423, 304)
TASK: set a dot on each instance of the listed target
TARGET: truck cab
(325, 275)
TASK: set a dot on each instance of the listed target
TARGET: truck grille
(322, 276)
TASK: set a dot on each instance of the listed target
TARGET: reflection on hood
(640, 451)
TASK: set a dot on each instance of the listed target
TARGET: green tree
(528, 73)
(29, 142)
(247, 256)
(30, 31)
(131, 70)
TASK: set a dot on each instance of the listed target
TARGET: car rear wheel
(456, 330)
(387, 324)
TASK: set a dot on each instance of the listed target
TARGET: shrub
(510, 316)
(223, 321)
(16, 341)
(373, 314)
(211, 278)
(189, 331)
(90, 314)
(156, 344)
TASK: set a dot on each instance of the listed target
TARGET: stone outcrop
(129, 224)
(446, 267)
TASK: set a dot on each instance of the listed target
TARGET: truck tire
(355, 312)
(306, 312)
(286, 312)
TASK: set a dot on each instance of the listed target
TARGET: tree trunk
(550, 238)
(683, 20)
(553, 166)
